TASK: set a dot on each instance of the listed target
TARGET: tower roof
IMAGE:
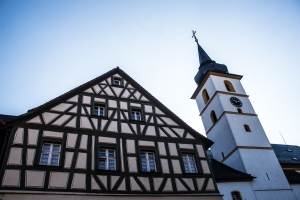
(203, 57)
(206, 64)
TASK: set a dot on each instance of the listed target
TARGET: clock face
(236, 102)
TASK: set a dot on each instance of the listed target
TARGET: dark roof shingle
(223, 172)
(287, 154)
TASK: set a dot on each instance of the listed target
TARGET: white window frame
(51, 153)
(99, 107)
(189, 162)
(117, 81)
(135, 115)
(148, 161)
(107, 158)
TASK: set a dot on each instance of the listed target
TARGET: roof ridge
(82, 85)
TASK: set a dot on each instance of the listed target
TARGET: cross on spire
(194, 36)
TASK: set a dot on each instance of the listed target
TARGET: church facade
(111, 139)
(239, 139)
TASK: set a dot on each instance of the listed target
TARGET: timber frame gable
(70, 123)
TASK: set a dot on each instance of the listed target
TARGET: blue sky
(49, 47)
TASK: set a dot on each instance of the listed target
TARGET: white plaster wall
(296, 188)
(256, 137)
(277, 195)
(96, 196)
(223, 139)
(235, 161)
(244, 188)
(258, 162)
(217, 107)
(218, 82)
(227, 106)
(221, 103)
(210, 88)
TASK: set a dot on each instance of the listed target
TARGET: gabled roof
(7, 118)
(71, 93)
(287, 154)
(223, 172)
(292, 176)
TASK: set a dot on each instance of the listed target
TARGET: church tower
(232, 124)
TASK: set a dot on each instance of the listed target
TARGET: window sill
(48, 167)
(151, 173)
(191, 174)
(138, 121)
(120, 86)
(107, 171)
(104, 117)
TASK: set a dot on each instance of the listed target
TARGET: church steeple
(206, 64)
(203, 57)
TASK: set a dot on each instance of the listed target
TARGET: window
(117, 81)
(50, 154)
(247, 128)
(107, 159)
(236, 195)
(148, 161)
(205, 96)
(136, 115)
(189, 163)
(99, 110)
(213, 117)
(229, 86)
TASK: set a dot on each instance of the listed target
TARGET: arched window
(236, 195)
(205, 96)
(213, 117)
(239, 110)
(229, 86)
(247, 128)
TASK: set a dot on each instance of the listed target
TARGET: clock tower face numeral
(236, 102)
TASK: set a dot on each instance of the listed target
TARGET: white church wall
(276, 194)
(210, 88)
(225, 101)
(218, 82)
(264, 165)
(244, 188)
(234, 161)
(223, 143)
(296, 188)
(217, 107)
(255, 138)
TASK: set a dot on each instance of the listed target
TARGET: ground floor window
(236, 195)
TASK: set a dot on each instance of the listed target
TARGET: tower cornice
(234, 76)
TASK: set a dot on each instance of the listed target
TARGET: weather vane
(194, 36)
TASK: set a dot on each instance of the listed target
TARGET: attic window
(289, 150)
(117, 81)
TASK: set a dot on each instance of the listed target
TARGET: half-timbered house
(107, 139)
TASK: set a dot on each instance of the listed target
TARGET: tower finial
(194, 36)
(206, 64)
